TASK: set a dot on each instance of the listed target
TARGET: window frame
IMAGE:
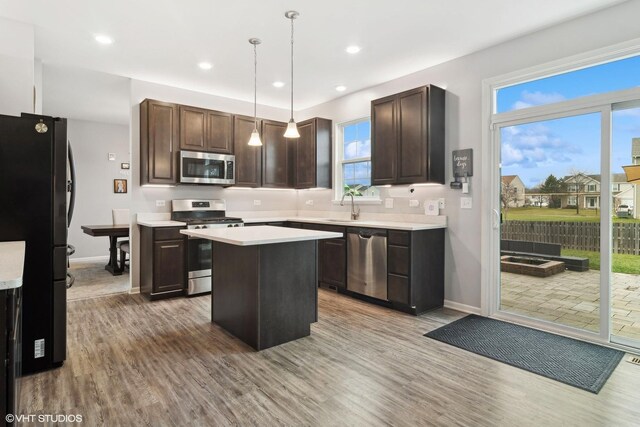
(339, 161)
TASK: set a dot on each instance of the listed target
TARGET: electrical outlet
(309, 202)
(441, 203)
(160, 203)
(414, 203)
(388, 203)
(466, 202)
(257, 202)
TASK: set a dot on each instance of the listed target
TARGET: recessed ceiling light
(353, 49)
(102, 39)
(278, 84)
(341, 88)
(205, 66)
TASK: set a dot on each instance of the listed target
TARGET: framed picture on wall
(120, 186)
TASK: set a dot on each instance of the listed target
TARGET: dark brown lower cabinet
(415, 281)
(332, 262)
(398, 289)
(332, 256)
(415, 267)
(162, 262)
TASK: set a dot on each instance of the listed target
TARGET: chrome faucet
(355, 212)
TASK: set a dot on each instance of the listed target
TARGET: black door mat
(577, 363)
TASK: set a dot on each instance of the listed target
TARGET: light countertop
(260, 235)
(11, 264)
(391, 225)
(166, 223)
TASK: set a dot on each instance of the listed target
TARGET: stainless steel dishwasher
(367, 262)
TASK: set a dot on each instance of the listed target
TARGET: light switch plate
(388, 203)
(257, 202)
(309, 202)
(160, 203)
(466, 202)
(112, 157)
(441, 203)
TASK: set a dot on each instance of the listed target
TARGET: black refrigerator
(33, 192)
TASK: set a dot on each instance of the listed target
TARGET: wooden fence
(574, 235)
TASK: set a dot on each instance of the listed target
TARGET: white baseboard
(90, 259)
(462, 307)
(134, 290)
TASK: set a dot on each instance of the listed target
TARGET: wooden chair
(121, 216)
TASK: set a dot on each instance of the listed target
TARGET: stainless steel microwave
(207, 168)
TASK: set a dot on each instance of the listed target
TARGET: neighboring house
(514, 183)
(538, 200)
(623, 191)
(582, 190)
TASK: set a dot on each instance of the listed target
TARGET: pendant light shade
(255, 141)
(292, 129)
(255, 138)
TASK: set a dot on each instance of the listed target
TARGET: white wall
(143, 199)
(91, 142)
(16, 67)
(462, 78)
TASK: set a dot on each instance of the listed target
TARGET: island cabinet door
(168, 265)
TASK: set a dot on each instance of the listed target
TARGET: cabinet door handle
(169, 246)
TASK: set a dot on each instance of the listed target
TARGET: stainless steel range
(201, 214)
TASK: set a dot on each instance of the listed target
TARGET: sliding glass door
(550, 193)
(625, 233)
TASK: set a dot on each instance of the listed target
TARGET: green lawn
(547, 214)
(620, 263)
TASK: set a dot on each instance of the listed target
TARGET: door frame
(490, 220)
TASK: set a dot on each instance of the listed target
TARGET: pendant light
(255, 136)
(292, 129)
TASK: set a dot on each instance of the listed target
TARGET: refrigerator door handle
(71, 185)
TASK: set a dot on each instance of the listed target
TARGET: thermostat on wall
(431, 207)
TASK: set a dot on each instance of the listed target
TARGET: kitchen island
(264, 282)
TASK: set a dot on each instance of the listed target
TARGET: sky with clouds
(535, 150)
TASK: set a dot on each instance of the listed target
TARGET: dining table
(113, 232)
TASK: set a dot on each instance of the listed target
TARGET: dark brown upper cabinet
(158, 142)
(248, 158)
(407, 137)
(276, 155)
(206, 130)
(312, 154)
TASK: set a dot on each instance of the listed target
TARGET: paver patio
(572, 298)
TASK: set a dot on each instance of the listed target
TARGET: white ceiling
(163, 40)
(78, 93)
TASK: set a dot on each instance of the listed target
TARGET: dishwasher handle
(367, 233)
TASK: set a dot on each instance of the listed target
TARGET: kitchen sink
(342, 220)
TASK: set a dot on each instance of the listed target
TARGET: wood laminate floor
(134, 362)
(92, 281)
